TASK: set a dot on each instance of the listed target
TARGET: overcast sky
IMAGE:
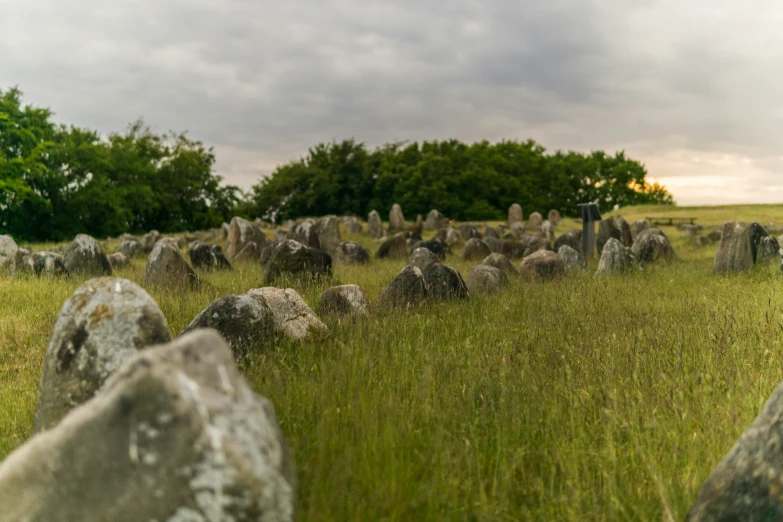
(692, 89)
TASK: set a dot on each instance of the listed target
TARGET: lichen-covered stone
(422, 258)
(534, 221)
(616, 258)
(249, 253)
(735, 253)
(613, 227)
(554, 218)
(207, 257)
(443, 282)
(293, 259)
(327, 231)
(85, 256)
(118, 260)
(48, 264)
(176, 434)
(102, 325)
(469, 231)
(493, 243)
(129, 248)
(343, 301)
(435, 246)
(406, 289)
(572, 238)
(573, 260)
(291, 316)
(167, 268)
(475, 249)
(485, 279)
(435, 220)
(501, 262)
(396, 247)
(351, 253)
(638, 226)
(542, 265)
(652, 245)
(768, 250)
(548, 231)
(149, 240)
(240, 233)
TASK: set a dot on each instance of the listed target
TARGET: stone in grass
(130, 248)
(572, 238)
(613, 227)
(652, 245)
(735, 253)
(501, 262)
(293, 259)
(351, 253)
(475, 249)
(167, 268)
(250, 252)
(407, 289)
(149, 240)
(344, 301)
(85, 256)
(396, 247)
(48, 264)
(768, 250)
(485, 279)
(374, 225)
(269, 249)
(208, 257)
(573, 260)
(240, 233)
(616, 258)
(291, 317)
(422, 258)
(437, 247)
(102, 325)
(443, 282)
(176, 433)
(542, 266)
(747, 484)
(118, 260)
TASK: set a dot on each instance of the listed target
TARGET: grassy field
(582, 399)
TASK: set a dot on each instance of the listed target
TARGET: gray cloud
(262, 80)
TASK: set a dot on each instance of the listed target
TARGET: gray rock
(548, 231)
(518, 230)
(534, 244)
(493, 243)
(542, 265)
(490, 232)
(102, 325)
(572, 238)
(734, 252)
(295, 260)
(291, 317)
(613, 227)
(374, 225)
(149, 240)
(554, 218)
(396, 247)
(435, 220)
(452, 237)
(85, 256)
(485, 279)
(208, 257)
(638, 226)
(574, 261)
(354, 227)
(514, 214)
(652, 245)
(512, 249)
(422, 258)
(167, 268)
(224, 228)
(327, 232)
(475, 249)
(767, 250)
(616, 258)
(405, 290)
(435, 246)
(500, 262)
(175, 434)
(268, 250)
(443, 282)
(351, 253)
(396, 219)
(240, 233)
(47, 264)
(534, 221)
(344, 301)
(129, 248)
(118, 260)
(249, 253)
(469, 231)
(756, 233)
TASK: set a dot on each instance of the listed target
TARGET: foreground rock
(574, 261)
(443, 282)
(613, 227)
(475, 249)
(48, 264)
(85, 256)
(208, 257)
(652, 245)
(500, 262)
(734, 252)
(167, 268)
(748, 481)
(616, 258)
(344, 301)
(405, 290)
(351, 253)
(240, 233)
(542, 265)
(293, 259)
(396, 247)
(485, 279)
(102, 325)
(291, 317)
(422, 258)
(178, 434)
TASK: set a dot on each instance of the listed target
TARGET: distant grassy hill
(707, 215)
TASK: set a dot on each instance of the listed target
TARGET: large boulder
(435, 246)
(102, 325)
(167, 268)
(485, 279)
(735, 253)
(396, 247)
(422, 258)
(652, 245)
(490, 232)
(374, 224)
(48, 264)
(613, 227)
(475, 249)
(240, 233)
(542, 265)
(500, 262)
(573, 260)
(343, 301)
(407, 289)
(443, 282)
(176, 433)
(149, 240)
(435, 220)
(351, 253)
(291, 317)
(207, 257)
(747, 483)
(129, 248)
(616, 258)
(572, 238)
(396, 219)
(293, 259)
(85, 256)
(514, 214)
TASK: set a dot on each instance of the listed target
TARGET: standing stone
(48, 264)
(396, 247)
(512, 249)
(572, 238)
(500, 262)
(613, 227)
(756, 233)
(354, 227)
(485, 279)
(9, 252)
(405, 290)
(767, 250)
(491, 232)
(652, 245)
(102, 325)
(250, 252)
(638, 226)
(344, 301)
(468, 231)
(422, 258)
(167, 268)
(435, 220)
(207, 257)
(351, 253)
(542, 265)
(452, 237)
(475, 249)
(573, 260)
(85, 256)
(433, 245)
(396, 219)
(118, 260)
(176, 433)
(554, 218)
(418, 228)
(293, 259)
(269, 249)
(616, 258)
(748, 481)
(291, 317)
(240, 233)
(548, 231)
(374, 225)
(514, 214)
(534, 221)
(734, 252)
(327, 232)
(534, 244)
(148, 241)
(518, 230)
(224, 228)
(443, 282)
(493, 243)
(129, 248)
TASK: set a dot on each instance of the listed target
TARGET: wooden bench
(670, 221)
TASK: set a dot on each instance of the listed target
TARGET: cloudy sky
(692, 89)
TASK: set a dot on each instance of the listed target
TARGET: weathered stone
(418, 227)
(615, 227)
(240, 233)
(118, 260)
(435, 246)
(747, 483)
(500, 262)
(443, 282)
(756, 232)
(351, 253)
(534, 221)
(514, 214)
(405, 290)
(715, 236)
(768, 250)
(249, 253)
(396, 247)
(512, 249)
(327, 232)
(102, 325)
(518, 230)
(422, 258)
(344, 301)
(652, 245)
(354, 227)
(573, 260)
(542, 265)
(735, 253)
(435, 220)
(9, 255)
(490, 232)
(167, 268)
(468, 231)
(475, 249)
(554, 218)
(396, 219)
(148, 241)
(638, 226)
(452, 237)
(269, 249)
(572, 238)
(208, 257)
(548, 231)
(244, 321)
(493, 243)
(175, 434)
(291, 316)
(616, 258)
(374, 225)
(485, 279)
(85, 256)
(47, 264)
(533, 244)
(129, 248)
(280, 235)
(690, 231)
(224, 228)
(293, 259)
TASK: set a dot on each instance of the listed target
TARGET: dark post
(590, 215)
